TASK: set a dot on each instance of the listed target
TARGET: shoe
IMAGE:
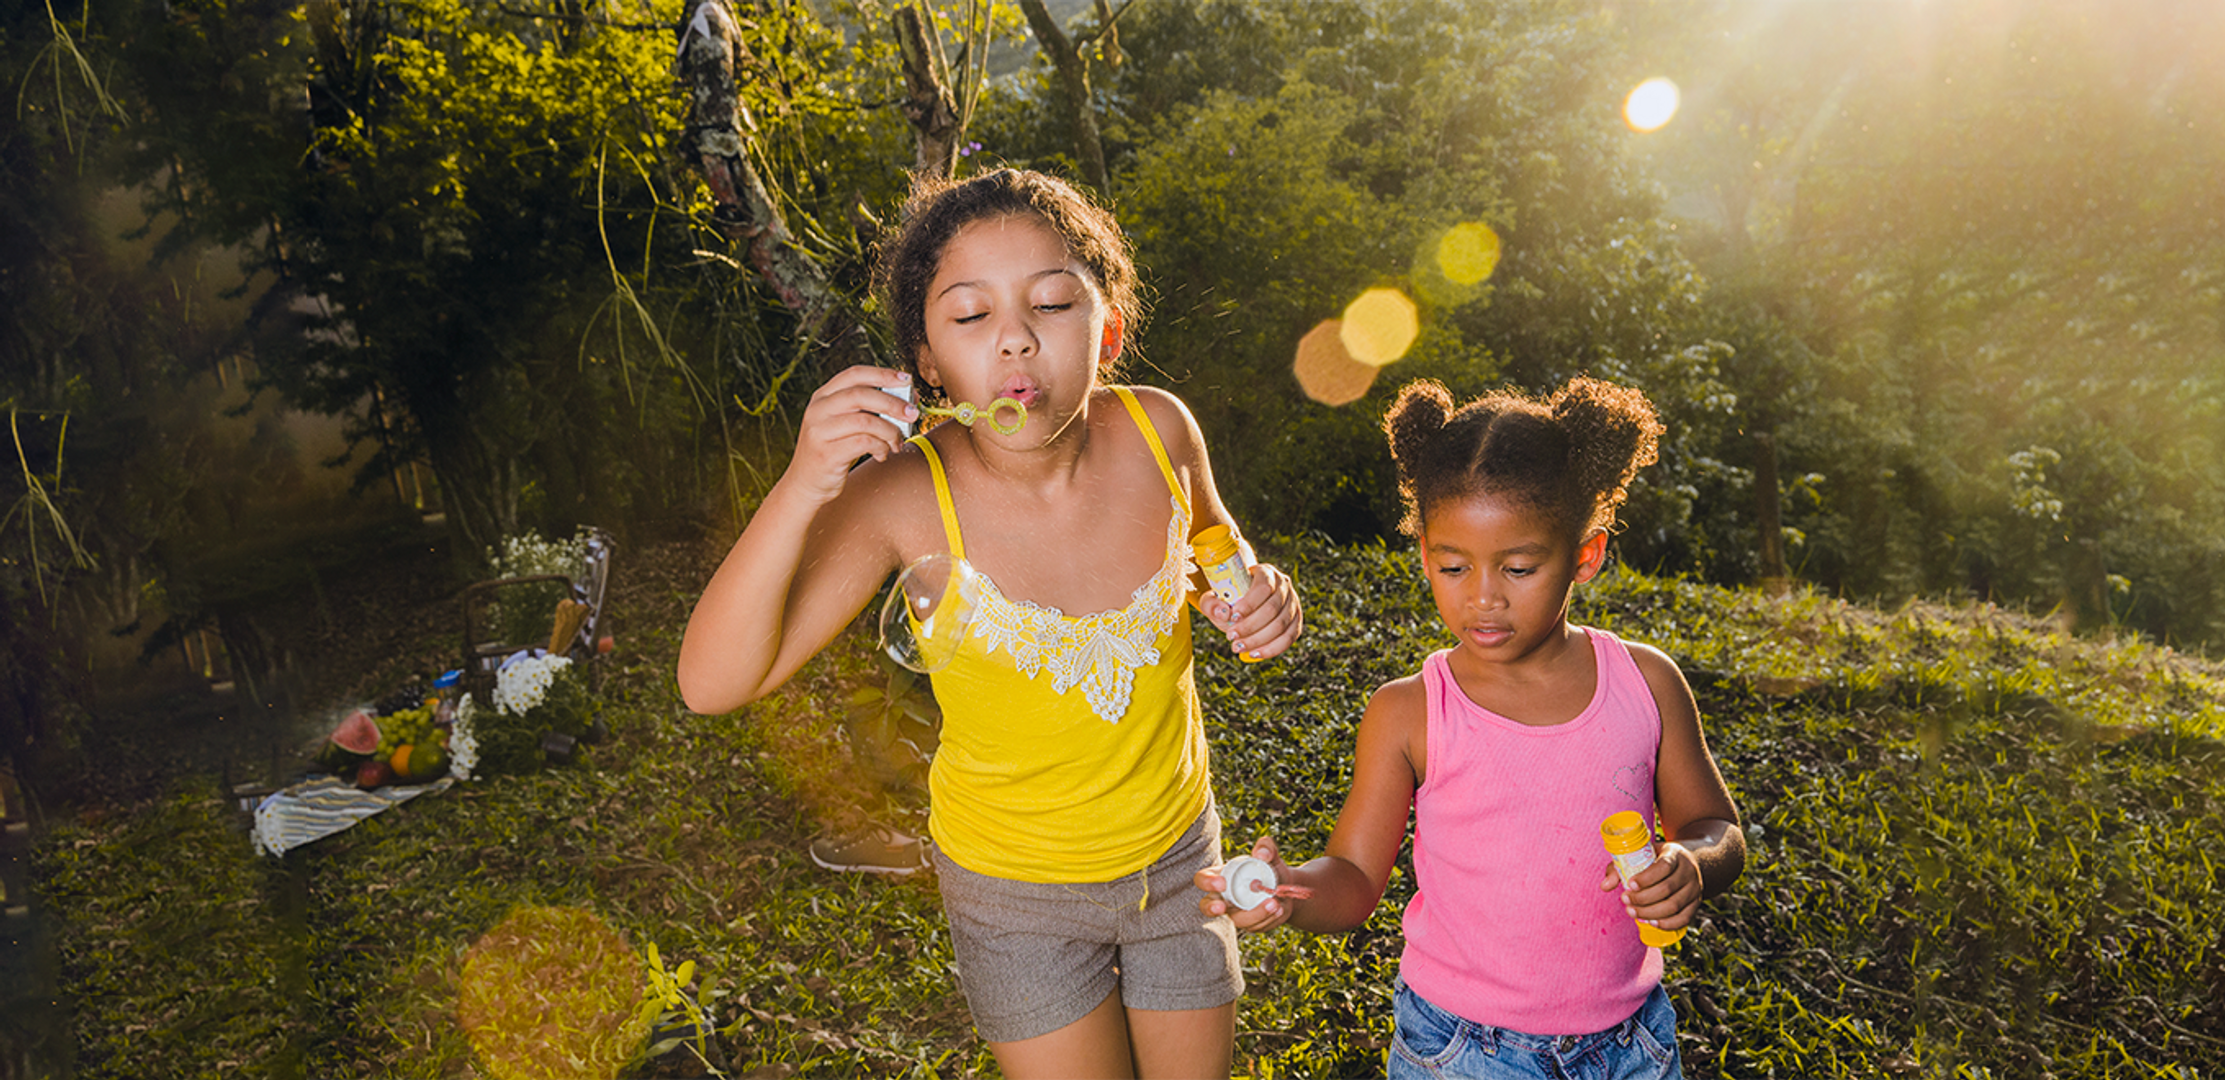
(872, 850)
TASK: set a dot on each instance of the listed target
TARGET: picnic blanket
(316, 808)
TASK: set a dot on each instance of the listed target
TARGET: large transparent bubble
(929, 612)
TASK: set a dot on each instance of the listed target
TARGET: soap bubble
(929, 612)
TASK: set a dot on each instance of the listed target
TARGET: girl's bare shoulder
(1170, 417)
(895, 498)
(1660, 672)
(1400, 701)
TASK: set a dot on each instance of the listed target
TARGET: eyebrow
(1032, 279)
(1518, 549)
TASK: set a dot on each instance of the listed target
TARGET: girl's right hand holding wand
(849, 418)
(809, 558)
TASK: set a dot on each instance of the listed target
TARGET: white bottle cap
(904, 394)
(1241, 873)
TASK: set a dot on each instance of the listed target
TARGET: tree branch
(1073, 80)
(927, 104)
(715, 142)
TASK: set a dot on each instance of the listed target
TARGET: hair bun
(1613, 432)
(1414, 418)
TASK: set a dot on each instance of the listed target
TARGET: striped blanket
(315, 809)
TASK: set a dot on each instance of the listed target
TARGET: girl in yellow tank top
(1073, 759)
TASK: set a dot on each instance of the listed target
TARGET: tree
(1982, 226)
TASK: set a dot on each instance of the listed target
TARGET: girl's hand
(1270, 913)
(849, 418)
(1666, 894)
(1265, 622)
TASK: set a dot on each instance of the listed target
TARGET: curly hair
(1569, 457)
(939, 208)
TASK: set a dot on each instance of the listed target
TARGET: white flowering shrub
(533, 695)
(523, 615)
(523, 684)
(529, 553)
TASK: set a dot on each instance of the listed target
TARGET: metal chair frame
(482, 658)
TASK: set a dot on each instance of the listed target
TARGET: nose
(1015, 337)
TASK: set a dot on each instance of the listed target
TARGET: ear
(1591, 555)
(1116, 329)
(929, 373)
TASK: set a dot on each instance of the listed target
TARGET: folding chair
(482, 658)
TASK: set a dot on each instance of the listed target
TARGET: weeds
(1978, 849)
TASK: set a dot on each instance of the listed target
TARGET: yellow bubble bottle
(1226, 569)
(1629, 841)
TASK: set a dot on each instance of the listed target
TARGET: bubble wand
(966, 412)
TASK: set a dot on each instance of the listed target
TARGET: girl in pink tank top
(1523, 956)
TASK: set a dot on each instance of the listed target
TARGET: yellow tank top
(1072, 747)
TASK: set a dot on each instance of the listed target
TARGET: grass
(1979, 848)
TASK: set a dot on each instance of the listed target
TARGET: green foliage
(153, 901)
(550, 994)
(1974, 258)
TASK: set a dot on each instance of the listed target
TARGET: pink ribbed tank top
(1508, 926)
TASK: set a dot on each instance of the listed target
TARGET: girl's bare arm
(1267, 621)
(1706, 850)
(1346, 883)
(811, 556)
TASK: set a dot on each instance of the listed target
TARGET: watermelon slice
(358, 734)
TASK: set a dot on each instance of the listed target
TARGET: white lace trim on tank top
(1099, 652)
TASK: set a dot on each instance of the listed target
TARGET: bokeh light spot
(1379, 326)
(1651, 105)
(1468, 253)
(1328, 374)
(552, 991)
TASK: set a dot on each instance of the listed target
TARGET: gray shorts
(1036, 957)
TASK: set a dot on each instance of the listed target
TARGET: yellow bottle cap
(1214, 544)
(1624, 831)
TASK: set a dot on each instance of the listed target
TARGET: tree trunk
(1776, 578)
(1073, 82)
(2088, 585)
(715, 143)
(927, 103)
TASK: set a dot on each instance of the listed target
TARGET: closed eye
(964, 319)
(1054, 307)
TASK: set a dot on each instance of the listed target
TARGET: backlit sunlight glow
(1651, 105)
(1327, 373)
(1379, 326)
(1468, 253)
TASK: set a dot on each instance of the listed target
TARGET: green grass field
(1978, 848)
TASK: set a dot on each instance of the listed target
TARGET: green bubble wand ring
(966, 412)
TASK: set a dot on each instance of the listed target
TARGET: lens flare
(1379, 326)
(552, 991)
(1326, 372)
(1468, 253)
(1651, 105)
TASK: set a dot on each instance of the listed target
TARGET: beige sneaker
(874, 849)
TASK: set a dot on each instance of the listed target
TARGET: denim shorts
(1033, 958)
(1430, 1042)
